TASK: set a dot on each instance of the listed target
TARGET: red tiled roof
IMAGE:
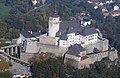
(116, 12)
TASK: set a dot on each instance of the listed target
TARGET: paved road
(17, 68)
(48, 3)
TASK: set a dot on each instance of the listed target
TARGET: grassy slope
(4, 10)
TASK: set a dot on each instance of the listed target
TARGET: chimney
(31, 32)
(39, 30)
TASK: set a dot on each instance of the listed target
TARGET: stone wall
(76, 61)
(92, 58)
(26, 56)
(31, 47)
(46, 44)
(47, 40)
(105, 44)
(97, 57)
(101, 45)
(84, 64)
(71, 62)
(54, 49)
(112, 55)
(72, 57)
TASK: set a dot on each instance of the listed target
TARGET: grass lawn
(4, 10)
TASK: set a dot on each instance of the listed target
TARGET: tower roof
(27, 34)
(55, 13)
(76, 50)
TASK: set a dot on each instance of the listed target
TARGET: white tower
(54, 23)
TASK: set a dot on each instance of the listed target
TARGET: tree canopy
(55, 68)
(20, 18)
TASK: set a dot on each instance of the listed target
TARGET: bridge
(12, 50)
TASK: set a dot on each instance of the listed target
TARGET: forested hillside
(55, 68)
(18, 17)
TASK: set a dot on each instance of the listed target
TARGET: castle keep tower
(53, 26)
(54, 22)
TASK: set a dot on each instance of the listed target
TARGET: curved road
(48, 3)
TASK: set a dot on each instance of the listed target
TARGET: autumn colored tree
(3, 65)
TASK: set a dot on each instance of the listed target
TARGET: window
(90, 39)
(82, 42)
(95, 34)
(63, 43)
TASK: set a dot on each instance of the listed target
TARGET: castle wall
(47, 40)
(26, 56)
(54, 49)
(76, 61)
(31, 47)
(72, 57)
(112, 55)
(92, 58)
(97, 57)
(71, 62)
(84, 64)
(105, 44)
(101, 45)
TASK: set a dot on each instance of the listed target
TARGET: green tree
(3, 29)
(48, 69)
(5, 74)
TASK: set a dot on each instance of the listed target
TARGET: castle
(76, 41)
